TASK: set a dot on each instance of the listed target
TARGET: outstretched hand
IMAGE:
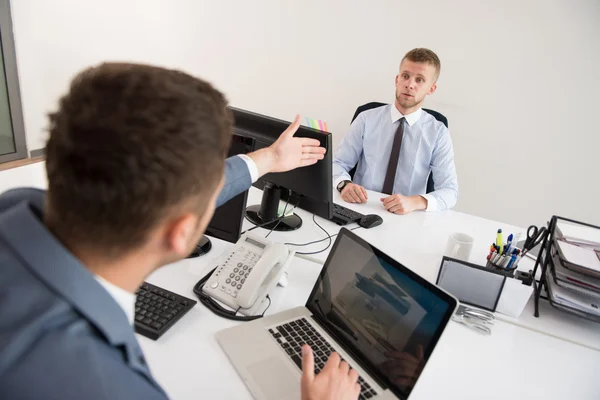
(288, 152)
(294, 152)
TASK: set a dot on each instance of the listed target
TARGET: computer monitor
(226, 223)
(310, 187)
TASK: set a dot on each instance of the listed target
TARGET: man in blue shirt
(397, 146)
(135, 163)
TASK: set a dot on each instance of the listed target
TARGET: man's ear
(432, 89)
(180, 233)
(396, 81)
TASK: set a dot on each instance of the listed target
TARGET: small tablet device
(471, 284)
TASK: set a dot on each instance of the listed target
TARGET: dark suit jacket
(62, 336)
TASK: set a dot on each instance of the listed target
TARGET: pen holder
(503, 263)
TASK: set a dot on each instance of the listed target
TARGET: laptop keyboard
(292, 335)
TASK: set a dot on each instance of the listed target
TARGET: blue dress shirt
(426, 148)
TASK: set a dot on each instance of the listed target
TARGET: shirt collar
(123, 298)
(410, 118)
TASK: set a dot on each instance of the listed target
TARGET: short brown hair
(129, 144)
(425, 56)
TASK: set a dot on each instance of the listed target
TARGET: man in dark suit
(135, 163)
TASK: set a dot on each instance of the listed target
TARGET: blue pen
(508, 244)
(513, 258)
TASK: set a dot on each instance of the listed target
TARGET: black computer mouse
(370, 221)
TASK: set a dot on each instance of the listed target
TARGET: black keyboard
(157, 310)
(293, 335)
(343, 215)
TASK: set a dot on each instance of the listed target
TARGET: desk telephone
(245, 276)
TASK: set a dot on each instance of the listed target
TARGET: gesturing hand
(292, 152)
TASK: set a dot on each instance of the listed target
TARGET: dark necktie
(390, 175)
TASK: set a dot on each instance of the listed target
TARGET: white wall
(519, 78)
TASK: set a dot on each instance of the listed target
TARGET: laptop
(372, 310)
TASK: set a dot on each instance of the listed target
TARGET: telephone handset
(245, 276)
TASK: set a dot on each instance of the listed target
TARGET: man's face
(413, 83)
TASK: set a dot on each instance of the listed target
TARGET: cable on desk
(260, 226)
(317, 241)
(216, 308)
(270, 222)
(328, 237)
(268, 298)
(283, 214)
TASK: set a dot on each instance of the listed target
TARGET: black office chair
(375, 104)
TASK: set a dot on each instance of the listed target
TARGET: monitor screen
(226, 223)
(312, 185)
(387, 316)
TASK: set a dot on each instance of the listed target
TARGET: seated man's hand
(335, 382)
(399, 204)
(288, 152)
(353, 193)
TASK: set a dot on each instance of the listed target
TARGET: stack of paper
(583, 257)
(573, 299)
(574, 280)
(578, 234)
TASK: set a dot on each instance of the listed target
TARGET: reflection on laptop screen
(389, 317)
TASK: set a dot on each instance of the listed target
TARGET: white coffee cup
(459, 246)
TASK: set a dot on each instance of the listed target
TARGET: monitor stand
(265, 214)
(203, 247)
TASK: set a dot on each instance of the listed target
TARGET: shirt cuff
(432, 204)
(341, 178)
(252, 168)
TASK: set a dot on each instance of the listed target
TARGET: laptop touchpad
(275, 379)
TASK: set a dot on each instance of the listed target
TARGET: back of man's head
(424, 56)
(129, 145)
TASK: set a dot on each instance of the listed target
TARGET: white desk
(465, 365)
(32, 175)
(189, 363)
(418, 241)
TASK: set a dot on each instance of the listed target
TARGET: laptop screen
(385, 315)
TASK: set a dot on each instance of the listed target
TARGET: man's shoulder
(70, 361)
(45, 342)
(431, 125)
(13, 197)
(29, 309)
(376, 114)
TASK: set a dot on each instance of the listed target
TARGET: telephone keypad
(242, 261)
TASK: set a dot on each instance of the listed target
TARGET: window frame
(7, 46)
